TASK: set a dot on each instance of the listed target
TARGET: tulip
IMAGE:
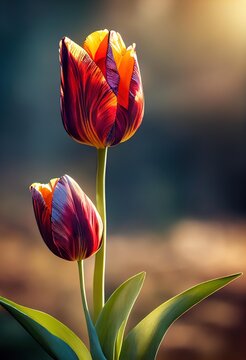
(101, 90)
(67, 219)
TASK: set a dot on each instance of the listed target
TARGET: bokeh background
(176, 191)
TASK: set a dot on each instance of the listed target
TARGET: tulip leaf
(56, 338)
(112, 320)
(143, 341)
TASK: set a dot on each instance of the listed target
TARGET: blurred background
(176, 191)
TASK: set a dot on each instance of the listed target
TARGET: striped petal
(112, 74)
(129, 119)
(76, 225)
(95, 45)
(43, 214)
(102, 47)
(88, 104)
(124, 60)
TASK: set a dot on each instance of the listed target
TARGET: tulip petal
(126, 72)
(46, 190)
(88, 104)
(76, 225)
(129, 119)
(124, 60)
(118, 47)
(42, 214)
(96, 44)
(93, 42)
(104, 48)
(112, 74)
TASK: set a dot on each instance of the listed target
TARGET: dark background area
(182, 175)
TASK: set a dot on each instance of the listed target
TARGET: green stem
(99, 270)
(83, 293)
(95, 346)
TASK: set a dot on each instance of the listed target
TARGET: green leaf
(112, 320)
(56, 338)
(143, 341)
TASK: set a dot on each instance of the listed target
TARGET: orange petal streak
(101, 55)
(124, 59)
(118, 47)
(126, 71)
(47, 191)
(128, 120)
(93, 41)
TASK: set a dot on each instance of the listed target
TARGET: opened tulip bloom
(67, 219)
(101, 89)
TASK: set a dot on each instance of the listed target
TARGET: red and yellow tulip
(67, 219)
(101, 89)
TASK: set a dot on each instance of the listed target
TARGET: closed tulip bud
(101, 89)
(67, 219)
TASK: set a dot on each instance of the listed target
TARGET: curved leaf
(112, 320)
(143, 341)
(56, 338)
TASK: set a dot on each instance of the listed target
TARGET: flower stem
(99, 270)
(95, 346)
(82, 290)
